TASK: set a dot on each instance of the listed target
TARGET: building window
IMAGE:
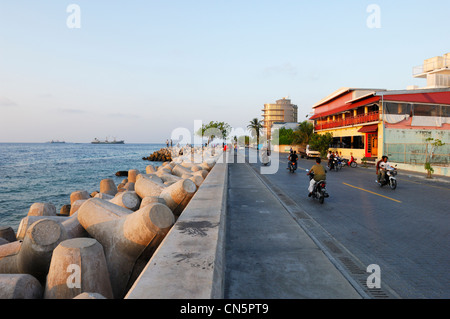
(446, 111)
(397, 108)
(346, 142)
(350, 142)
(358, 142)
(427, 110)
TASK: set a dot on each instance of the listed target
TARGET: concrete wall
(407, 148)
(188, 264)
(285, 148)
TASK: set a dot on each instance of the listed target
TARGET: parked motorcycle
(319, 191)
(389, 178)
(352, 163)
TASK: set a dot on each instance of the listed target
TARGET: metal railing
(351, 120)
(431, 65)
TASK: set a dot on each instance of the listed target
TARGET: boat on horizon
(97, 141)
(56, 142)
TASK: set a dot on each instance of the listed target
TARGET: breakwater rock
(162, 155)
(100, 247)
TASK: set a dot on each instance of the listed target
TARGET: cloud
(45, 95)
(123, 115)
(284, 69)
(5, 102)
(72, 111)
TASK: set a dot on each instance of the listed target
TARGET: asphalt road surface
(404, 231)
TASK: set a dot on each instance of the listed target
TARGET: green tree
(244, 140)
(255, 126)
(214, 129)
(434, 143)
(283, 135)
(321, 142)
(303, 133)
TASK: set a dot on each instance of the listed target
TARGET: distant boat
(56, 142)
(97, 141)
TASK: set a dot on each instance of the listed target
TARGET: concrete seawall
(192, 254)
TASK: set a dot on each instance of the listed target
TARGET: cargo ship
(97, 141)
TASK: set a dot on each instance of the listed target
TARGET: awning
(369, 128)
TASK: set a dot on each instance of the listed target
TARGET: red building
(373, 122)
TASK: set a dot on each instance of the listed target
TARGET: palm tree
(255, 128)
(303, 133)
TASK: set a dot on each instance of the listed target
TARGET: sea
(49, 172)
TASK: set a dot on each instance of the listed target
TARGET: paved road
(268, 255)
(404, 231)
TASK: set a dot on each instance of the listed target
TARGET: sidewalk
(267, 254)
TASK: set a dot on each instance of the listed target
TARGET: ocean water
(33, 173)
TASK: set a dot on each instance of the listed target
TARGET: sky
(138, 70)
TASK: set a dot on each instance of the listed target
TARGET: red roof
(346, 107)
(432, 97)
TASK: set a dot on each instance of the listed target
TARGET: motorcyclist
(319, 175)
(382, 167)
(331, 161)
(293, 157)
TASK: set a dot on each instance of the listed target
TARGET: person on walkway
(319, 175)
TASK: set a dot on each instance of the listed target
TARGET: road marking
(405, 180)
(372, 192)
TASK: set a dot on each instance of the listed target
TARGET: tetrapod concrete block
(33, 255)
(146, 186)
(78, 265)
(127, 199)
(7, 233)
(26, 222)
(20, 286)
(107, 186)
(152, 199)
(42, 209)
(132, 173)
(75, 205)
(177, 195)
(124, 234)
(150, 169)
(77, 195)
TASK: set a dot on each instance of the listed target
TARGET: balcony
(349, 121)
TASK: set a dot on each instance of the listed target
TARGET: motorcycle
(292, 166)
(352, 162)
(389, 178)
(319, 191)
(336, 164)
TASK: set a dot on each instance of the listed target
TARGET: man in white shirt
(382, 167)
